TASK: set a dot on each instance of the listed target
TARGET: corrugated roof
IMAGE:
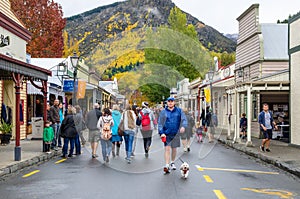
(47, 63)
(275, 41)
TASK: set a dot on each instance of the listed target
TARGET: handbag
(121, 128)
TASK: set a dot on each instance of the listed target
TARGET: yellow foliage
(130, 27)
(121, 51)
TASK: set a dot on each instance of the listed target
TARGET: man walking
(91, 123)
(266, 124)
(171, 121)
(55, 124)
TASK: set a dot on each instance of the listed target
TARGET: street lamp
(74, 61)
(210, 77)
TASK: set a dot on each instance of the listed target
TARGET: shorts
(187, 134)
(211, 130)
(94, 135)
(244, 129)
(267, 134)
(173, 141)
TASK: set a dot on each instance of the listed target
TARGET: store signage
(68, 85)
(4, 40)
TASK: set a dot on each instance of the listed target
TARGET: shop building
(15, 72)
(294, 55)
(261, 72)
(212, 93)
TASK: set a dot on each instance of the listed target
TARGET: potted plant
(6, 130)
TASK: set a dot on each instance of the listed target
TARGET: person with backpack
(243, 126)
(171, 121)
(128, 119)
(116, 139)
(147, 117)
(186, 136)
(211, 121)
(105, 124)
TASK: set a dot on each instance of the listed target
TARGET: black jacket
(67, 128)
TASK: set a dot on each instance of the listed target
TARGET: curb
(247, 150)
(27, 163)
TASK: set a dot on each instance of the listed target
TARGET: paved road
(216, 172)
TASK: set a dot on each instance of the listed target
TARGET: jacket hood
(116, 113)
(146, 110)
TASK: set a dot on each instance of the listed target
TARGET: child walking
(199, 132)
(48, 136)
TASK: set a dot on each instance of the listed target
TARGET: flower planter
(5, 138)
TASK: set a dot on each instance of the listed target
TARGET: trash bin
(37, 124)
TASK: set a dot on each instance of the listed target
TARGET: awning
(225, 83)
(31, 90)
(90, 86)
(9, 65)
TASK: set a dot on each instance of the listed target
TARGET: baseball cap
(145, 104)
(170, 99)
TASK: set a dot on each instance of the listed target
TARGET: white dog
(184, 170)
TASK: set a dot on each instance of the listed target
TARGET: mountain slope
(93, 27)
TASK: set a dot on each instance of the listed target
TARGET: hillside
(94, 27)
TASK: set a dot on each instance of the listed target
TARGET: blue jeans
(128, 137)
(106, 146)
(57, 139)
(66, 144)
(77, 144)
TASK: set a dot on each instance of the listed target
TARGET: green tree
(172, 54)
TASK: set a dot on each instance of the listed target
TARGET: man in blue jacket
(171, 121)
(266, 124)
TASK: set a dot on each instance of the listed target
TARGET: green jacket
(48, 134)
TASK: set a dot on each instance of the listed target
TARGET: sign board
(68, 85)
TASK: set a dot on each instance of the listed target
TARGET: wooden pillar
(18, 81)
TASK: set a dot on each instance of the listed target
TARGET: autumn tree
(44, 19)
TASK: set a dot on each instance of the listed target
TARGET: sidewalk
(282, 155)
(31, 154)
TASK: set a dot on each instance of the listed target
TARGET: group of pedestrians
(68, 126)
(113, 127)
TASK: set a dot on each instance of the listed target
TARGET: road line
(274, 192)
(235, 170)
(208, 179)
(60, 161)
(30, 174)
(219, 194)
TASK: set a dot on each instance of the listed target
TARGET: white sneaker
(172, 165)
(184, 149)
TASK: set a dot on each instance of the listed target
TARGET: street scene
(149, 98)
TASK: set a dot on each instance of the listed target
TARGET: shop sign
(68, 85)
(4, 41)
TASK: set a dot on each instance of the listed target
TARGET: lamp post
(210, 77)
(74, 61)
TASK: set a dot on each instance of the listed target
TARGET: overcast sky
(220, 14)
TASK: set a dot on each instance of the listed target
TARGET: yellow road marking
(60, 161)
(219, 194)
(30, 174)
(236, 170)
(274, 192)
(208, 179)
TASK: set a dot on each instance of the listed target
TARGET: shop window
(254, 107)
(245, 110)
